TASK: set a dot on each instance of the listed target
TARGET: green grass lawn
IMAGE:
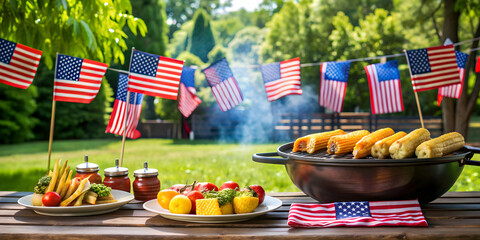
(178, 161)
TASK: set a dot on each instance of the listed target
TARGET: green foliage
(179, 42)
(245, 47)
(202, 39)
(217, 53)
(226, 29)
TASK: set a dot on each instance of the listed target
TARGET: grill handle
(269, 158)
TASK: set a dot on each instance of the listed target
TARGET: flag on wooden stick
(154, 75)
(18, 64)
(117, 118)
(188, 100)
(455, 90)
(282, 78)
(76, 79)
(333, 84)
(385, 87)
(433, 67)
(224, 86)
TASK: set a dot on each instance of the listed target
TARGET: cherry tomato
(51, 199)
(205, 187)
(260, 192)
(193, 196)
(229, 185)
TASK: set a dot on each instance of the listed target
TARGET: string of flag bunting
(78, 80)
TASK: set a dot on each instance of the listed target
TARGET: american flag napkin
(357, 214)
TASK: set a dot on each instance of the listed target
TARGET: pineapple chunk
(208, 206)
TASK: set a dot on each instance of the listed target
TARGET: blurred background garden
(246, 33)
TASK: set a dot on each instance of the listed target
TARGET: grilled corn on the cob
(364, 146)
(380, 149)
(301, 143)
(440, 146)
(343, 144)
(406, 146)
(320, 140)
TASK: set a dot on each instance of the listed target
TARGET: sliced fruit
(180, 204)
(245, 204)
(165, 196)
(208, 206)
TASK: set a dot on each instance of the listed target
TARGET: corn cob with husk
(319, 141)
(406, 146)
(380, 148)
(440, 146)
(364, 146)
(343, 144)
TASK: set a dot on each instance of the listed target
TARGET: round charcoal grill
(330, 178)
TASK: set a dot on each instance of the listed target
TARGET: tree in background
(201, 41)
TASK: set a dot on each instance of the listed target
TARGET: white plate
(85, 210)
(268, 205)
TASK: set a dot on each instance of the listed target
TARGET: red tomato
(51, 199)
(193, 196)
(177, 187)
(229, 185)
(260, 192)
(205, 187)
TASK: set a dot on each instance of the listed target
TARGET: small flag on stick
(224, 86)
(282, 79)
(333, 84)
(188, 100)
(385, 88)
(117, 118)
(76, 79)
(455, 90)
(18, 64)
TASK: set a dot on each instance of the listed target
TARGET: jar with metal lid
(117, 178)
(89, 170)
(146, 185)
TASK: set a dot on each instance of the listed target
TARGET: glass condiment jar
(146, 185)
(89, 170)
(117, 178)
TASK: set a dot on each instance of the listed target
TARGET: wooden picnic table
(456, 215)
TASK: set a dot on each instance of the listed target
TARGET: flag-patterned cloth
(188, 99)
(357, 214)
(224, 86)
(76, 79)
(282, 79)
(117, 118)
(433, 67)
(154, 75)
(18, 64)
(333, 84)
(455, 90)
(385, 87)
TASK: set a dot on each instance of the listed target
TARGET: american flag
(357, 214)
(385, 88)
(18, 64)
(188, 100)
(117, 118)
(455, 90)
(333, 84)
(76, 79)
(154, 75)
(433, 67)
(224, 86)
(282, 79)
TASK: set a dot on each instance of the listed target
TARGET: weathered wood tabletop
(456, 215)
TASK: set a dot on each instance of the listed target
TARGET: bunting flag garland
(433, 67)
(455, 90)
(333, 84)
(154, 75)
(76, 79)
(188, 100)
(117, 118)
(18, 64)
(282, 78)
(477, 67)
(224, 86)
(385, 87)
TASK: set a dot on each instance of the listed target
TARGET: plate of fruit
(206, 203)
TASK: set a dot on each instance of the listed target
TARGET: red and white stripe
(452, 91)
(289, 82)
(383, 213)
(86, 88)
(443, 64)
(164, 84)
(22, 68)
(332, 93)
(227, 94)
(188, 101)
(117, 118)
(385, 96)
